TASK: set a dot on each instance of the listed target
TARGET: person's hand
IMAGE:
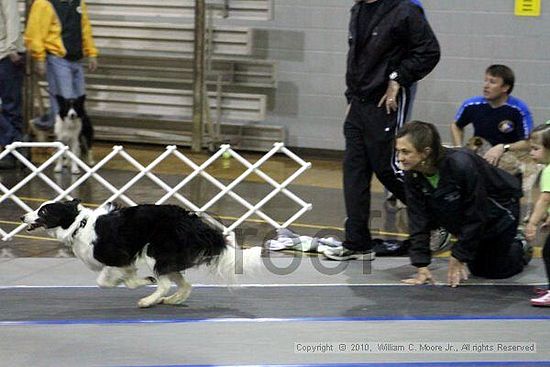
(531, 231)
(92, 65)
(16, 58)
(494, 154)
(546, 225)
(40, 68)
(389, 99)
(423, 276)
(457, 272)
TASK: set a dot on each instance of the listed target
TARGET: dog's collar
(82, 224)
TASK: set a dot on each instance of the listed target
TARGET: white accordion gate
(170, 191)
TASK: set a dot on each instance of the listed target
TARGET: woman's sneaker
(526, 246)
(440, 240)
(542, 301)
(393, 204)
(540, 291)
(343, 254)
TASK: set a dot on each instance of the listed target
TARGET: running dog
(110, 240)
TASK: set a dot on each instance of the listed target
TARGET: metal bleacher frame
(235, 9)
(142, 91)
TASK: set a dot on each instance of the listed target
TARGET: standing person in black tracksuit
(391, 46)
(463, 193)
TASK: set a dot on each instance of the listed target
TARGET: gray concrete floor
(55, 316)
(231, 327)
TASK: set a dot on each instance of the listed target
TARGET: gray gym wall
(308, 41)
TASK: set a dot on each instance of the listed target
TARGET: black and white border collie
(170, 239)
(74, 129)
(67, 129)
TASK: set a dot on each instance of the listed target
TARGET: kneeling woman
(459, 191)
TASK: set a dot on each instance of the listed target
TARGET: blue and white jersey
(506, 124)
(417, 3)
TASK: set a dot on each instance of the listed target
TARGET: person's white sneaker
(542, 301)
(344, 254)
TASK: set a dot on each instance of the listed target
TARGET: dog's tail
(234, 261)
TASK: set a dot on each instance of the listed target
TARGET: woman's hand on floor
(457, 272)
(423, 276)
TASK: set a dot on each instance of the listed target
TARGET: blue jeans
(66, 79)
(11, 119)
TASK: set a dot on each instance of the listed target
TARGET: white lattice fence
(171, 192)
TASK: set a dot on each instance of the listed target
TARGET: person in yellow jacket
(58, 36)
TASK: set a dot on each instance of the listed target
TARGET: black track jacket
(470, 202)
(399, 38)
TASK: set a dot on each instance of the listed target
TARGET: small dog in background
(513, 163)
(508, 162)
(73, 128)
(67, 129)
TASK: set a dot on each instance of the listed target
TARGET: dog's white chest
(66, 128)
(81, 241)
(85, 252)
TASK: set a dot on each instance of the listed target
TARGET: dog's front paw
(177, 298)
(144, 304)
(147, 302)
(89, 158)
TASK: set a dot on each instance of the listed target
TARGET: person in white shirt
(11, 78)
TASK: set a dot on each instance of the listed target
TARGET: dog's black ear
(60, 100)
(79, 105)
(111, 206)
(478, 141)
(75, 202)
(63, 107)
